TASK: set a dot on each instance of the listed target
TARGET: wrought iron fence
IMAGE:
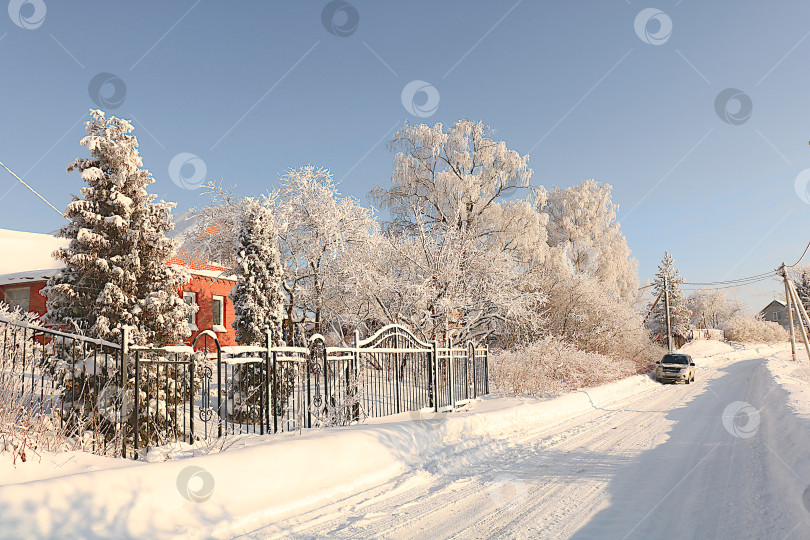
(66, 377)
(133, 398)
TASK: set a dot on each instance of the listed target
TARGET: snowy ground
(632, 459)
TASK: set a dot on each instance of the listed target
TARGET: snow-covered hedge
(748, 329)
(550, 367)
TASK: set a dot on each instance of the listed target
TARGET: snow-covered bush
(749, 329)
(550, 367)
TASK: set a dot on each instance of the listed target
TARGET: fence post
(273, 394)
(308, 367)
(124, 381)
(471, 352)
(355, 412)
(435, 372)
(397, 371)
(220, 411)
(452, 371)
(325, 376)
(267, 377)
(191, 395)
(486, 369)
(470, 362)
(137, 404)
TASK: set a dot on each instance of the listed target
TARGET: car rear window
(675, 359)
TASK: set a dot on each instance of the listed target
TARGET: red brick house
(26, 265)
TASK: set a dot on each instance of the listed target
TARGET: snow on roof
(31, 276)
(772, 303)
(200, 268)
(28, 252)
(26, 257)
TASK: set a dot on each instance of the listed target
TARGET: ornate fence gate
(132, 398)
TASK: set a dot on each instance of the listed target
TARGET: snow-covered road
(662, 463)
(630, 459)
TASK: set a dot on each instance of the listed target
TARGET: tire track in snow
(380, 514)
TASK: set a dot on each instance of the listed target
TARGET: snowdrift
(239, 490)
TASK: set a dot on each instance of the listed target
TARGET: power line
(33, 190)
(729, 281)
(742, 284)
(800, 258)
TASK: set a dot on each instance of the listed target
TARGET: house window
(190, 298)
(776, 315)
(18, 297)
(218, 314)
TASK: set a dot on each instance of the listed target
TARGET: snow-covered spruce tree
(115, 272)
(257, 299)
(258, 304)
(678, 309)
(115, 265)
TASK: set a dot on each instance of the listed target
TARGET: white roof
(26, 257)
(25, 252)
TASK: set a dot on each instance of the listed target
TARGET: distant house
(26, 265)
(777, 312)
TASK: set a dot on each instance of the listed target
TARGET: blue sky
(254, 88)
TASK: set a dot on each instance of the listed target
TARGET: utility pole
(666, 306)
(789, 305)
(797, 303)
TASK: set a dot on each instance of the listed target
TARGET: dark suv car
(674, 368)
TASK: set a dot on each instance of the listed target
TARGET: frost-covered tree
(257, 299)
(321, 236)
(713, 308)
(214, 233)
(116, 270)
(461, 180)
(582, 221)
(257, 303)
(449, 287)
(803, 288)
(461, 248)
(678, 310)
